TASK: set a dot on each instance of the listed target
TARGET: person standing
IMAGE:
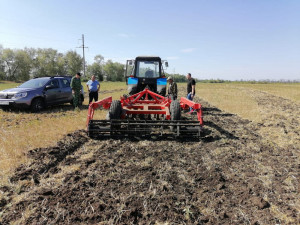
(172, 89)
(191, 84)
(93, 87)
(76, 89)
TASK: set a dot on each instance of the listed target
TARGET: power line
(83, 47)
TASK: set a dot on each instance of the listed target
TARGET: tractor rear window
(147, 69)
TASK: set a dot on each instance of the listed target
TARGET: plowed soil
(238, 173)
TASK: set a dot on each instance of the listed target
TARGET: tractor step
(124, 128)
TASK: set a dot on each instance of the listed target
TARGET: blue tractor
(146, 72)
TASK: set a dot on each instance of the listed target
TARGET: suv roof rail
(60, 76)
(52, 76)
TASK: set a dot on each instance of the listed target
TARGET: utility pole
(83, 47)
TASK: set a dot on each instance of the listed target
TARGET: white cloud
(187, 50)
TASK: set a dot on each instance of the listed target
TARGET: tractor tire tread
(115, 110)
(175, 110)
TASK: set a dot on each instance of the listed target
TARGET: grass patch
(286, 90)
(236, 98)
(229, 98)
(8, 84)
(21, 131)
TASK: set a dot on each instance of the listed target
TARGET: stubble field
(244, 170)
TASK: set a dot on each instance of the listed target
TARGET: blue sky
(225, 39)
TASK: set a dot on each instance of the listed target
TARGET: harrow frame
(145, 102)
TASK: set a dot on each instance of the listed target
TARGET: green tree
(16, 64)
(46, 62)
(99, 59)
(177, 77)
(10, 65)
(73, 62)
(24, 62)
(114, 71)
(61, 64)
(21, 64)
(97, 67)
(2, 65)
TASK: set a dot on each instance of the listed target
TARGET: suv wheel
(37, 105)
(4, 107)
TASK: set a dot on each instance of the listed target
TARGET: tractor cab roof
(154, 58)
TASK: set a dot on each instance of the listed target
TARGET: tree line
(23, 64)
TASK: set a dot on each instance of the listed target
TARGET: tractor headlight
(20, 95)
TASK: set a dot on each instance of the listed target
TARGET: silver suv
(39, 93)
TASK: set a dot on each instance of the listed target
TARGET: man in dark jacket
(76, 89)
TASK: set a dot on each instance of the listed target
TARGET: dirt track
(236, 174)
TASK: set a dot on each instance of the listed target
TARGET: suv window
(65, 83)
(34, 83)
(54, 83)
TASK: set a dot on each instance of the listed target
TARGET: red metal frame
(196, 107)
(146, 102)
(105, 103)
(143, 98)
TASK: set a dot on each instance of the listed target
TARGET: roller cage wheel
(175, 110)
(37, 105)
(115, 110)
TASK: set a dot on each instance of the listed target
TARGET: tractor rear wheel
(115, 110)
(175, 110)
(175, 113)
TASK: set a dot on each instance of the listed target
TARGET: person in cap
(76, 89)
(172, 89)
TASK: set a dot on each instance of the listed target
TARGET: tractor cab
(146, 72)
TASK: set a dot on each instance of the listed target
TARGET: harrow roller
(98, 128)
